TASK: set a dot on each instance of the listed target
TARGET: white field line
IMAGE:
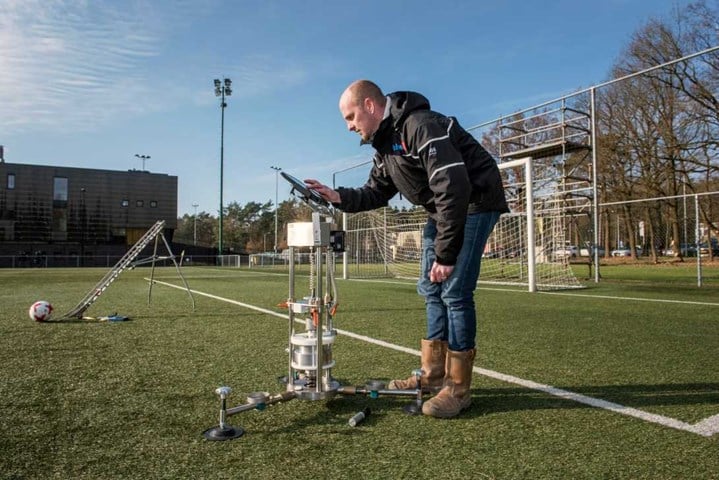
(709, 425)
(517, 290)
(706, 428)
(636, 299)
(567, 294)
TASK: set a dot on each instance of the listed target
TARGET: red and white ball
(40, 311)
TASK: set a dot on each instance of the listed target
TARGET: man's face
(361, 117)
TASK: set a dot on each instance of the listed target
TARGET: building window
(10, 181)
(139, 203)
(59, 208)
(59, 193)
(125, 203)
(153, 203)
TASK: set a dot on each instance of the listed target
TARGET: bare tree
(659, 131)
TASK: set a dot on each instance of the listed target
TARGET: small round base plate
(218, 434)
(375, 385)
(303, 393)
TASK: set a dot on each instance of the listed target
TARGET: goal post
(233, 261)
(526, 248)
(529, 206)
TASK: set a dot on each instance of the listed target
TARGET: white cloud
(259, 74)
(69, 64)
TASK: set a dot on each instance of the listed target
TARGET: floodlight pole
(143, 158)
(222, 173)
(222, 89)
(277, 176)
(194, 237)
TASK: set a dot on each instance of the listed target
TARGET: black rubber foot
(218, 434)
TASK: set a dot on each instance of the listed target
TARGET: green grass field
(131, 399)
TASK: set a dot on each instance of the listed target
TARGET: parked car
(567, 251)
(625, 252)
(589, 251)
(704, 247)
(687, 249)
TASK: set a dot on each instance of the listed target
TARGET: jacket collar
(387, 107)
(399, 106)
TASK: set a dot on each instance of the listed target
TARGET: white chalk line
(636, 299)
(511, 289)
(706, 427)
(567, 294)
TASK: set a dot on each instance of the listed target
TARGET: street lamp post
(264, 241)
(222, 89)
(194, 237)
(277, 179)
(143, 158)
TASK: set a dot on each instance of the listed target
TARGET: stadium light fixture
(222, 91)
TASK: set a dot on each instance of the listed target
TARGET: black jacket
(433, 162)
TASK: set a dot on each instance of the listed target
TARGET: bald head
(362, 106)
(358, 90)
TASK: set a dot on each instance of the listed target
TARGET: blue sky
(92, 83)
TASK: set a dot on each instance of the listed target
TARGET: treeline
(659, 132)
(248, 228)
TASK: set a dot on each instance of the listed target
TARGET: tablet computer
(300, 187)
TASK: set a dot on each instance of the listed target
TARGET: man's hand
(440, 273)
(326, 192)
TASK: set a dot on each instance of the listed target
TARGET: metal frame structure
(560, 138)
(311, 330)
(128, 262)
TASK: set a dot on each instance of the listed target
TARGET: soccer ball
(40, 311)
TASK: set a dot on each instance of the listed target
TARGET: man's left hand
(439, 273)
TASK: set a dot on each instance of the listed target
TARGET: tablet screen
(300, 187)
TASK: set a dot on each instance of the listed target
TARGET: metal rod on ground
(152, 270)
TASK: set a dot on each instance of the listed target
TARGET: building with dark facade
(80, 211)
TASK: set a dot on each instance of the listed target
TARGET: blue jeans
(451, 314)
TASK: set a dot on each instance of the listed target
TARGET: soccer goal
(234, 261)
(527, 247)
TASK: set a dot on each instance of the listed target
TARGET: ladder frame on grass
(128, 262)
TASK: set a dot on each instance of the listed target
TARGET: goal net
(528, 246)
(229, 261)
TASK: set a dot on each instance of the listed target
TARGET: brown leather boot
(434, 353)
(454, 396)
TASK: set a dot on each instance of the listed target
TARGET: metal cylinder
(303, 357)
(304, 351)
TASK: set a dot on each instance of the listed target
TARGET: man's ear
(369, 105)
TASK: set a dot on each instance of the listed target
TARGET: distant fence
(108, 261)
